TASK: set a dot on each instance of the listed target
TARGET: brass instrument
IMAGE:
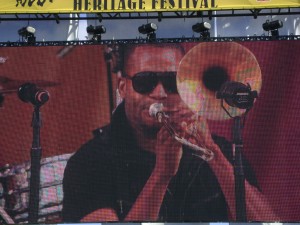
(156, 111)
(201, 74)
(207, 66)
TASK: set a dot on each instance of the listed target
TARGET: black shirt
(110, 171)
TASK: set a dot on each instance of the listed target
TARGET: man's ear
(122, 86)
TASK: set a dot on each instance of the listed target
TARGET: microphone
(29, 92)
(237, 94)
(156, 111)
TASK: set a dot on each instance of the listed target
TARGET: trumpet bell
(208, 65)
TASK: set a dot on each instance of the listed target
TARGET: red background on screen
(79, 104)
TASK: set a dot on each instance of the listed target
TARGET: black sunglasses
(146, 82)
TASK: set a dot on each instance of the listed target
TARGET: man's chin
(151, 132)
(147, 119)
(151, 122)
(150, 125)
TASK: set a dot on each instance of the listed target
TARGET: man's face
(149, 59)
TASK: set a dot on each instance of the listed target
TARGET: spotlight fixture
(273, 26)
(96, 31)
(202, 28)
(27, 34)
(148, 29)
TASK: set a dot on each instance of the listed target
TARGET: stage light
(149, 29)
(96, 31)
(24, 31)
(273, 26)
(27, 34)
(202, 28)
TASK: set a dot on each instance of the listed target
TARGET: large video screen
(168, 132)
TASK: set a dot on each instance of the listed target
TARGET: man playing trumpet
(134, 170)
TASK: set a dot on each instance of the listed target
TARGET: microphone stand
(29, 92)
(36, 153)
(238, 95)
(239, 175)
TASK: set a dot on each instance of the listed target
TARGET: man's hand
(193, 128)
(168, 154)
(197, 132)
(186, 125)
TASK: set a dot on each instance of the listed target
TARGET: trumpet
(156, 111)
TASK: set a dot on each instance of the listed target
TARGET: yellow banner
(255, 4)
(119, 6)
